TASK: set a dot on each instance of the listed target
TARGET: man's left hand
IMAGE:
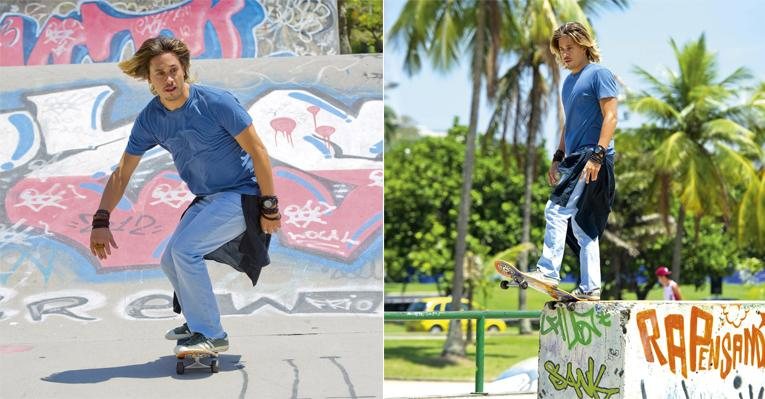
(590, 172)
(270, 226)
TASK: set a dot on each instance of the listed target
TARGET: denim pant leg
(166, 262)
(589, 259)
(215, 220)
(556, 224)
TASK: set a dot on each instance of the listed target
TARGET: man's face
(166, 75)
(574, 56)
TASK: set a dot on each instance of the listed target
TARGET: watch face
(269, 203)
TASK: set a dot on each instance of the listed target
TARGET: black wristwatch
(598, 154)
(269, 202)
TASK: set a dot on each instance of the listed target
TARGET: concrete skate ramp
(73, 326)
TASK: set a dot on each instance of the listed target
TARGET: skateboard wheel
(504, 284)
(214, 366)
(179, 367)
(524, 284)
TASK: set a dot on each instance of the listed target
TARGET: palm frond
(672, 153)
(738, 76)
(728, 131)
(655, 108)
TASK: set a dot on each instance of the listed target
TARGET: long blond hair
(579, 34)
(138, 65)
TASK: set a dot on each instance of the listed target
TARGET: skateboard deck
(524, 281)
(196, 361)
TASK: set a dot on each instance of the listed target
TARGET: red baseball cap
(663, 271)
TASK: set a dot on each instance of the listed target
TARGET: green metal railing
(481, 316)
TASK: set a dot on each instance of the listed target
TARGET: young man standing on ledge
(582, 168)
(218, 155)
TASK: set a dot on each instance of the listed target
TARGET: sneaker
(538, 275)
(593, 295)
(178, 333)
(200, 343)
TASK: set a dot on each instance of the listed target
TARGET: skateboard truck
(181, 366)
(505, 284)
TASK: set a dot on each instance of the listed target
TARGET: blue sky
(638, 35)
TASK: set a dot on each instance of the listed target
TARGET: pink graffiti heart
(64, 206)
(331, 213)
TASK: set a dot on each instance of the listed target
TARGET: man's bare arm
(252, 144)
(118, 181)
(101, 239)
(608, 107)
(248, 139)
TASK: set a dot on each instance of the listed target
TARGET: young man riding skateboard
(218, 155)
(582, 168)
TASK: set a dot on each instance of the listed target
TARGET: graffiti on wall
(63, 143)
(573, 327)
(102, 31)
(582, 382)
(80, 305)
(701, 340)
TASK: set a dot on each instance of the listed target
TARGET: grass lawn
(419, 359)
(499, 299)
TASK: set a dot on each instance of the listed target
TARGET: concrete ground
(271, 356)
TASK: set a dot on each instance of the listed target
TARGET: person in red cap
(671, 289)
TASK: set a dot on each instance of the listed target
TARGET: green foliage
(422, 188)
(637, 239)
(702, 150)
(361, 26)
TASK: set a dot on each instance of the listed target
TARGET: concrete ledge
(650, 349)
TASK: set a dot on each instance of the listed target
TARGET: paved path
(393, 389)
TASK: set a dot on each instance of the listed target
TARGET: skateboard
(525, 281)
(196, 357)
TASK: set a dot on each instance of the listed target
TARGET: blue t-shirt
(200, 137)
(581, 95)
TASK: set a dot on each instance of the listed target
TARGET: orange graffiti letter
(649, 341)
(697, 340)
(676, 345)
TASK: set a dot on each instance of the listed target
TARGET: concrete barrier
(652, 350)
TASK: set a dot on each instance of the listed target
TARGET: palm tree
(751, 211)
(702, 152)
(443, 30)
(533, 57)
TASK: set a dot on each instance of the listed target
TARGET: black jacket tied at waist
(595, 203)
(248, 252)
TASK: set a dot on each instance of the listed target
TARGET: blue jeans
(557, 217)
(207, 225)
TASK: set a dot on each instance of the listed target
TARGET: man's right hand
(101, 240)
(553, 174)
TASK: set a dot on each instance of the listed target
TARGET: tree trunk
(617, 265)
(531, 136)
(343, 28)
(455, 345)
(677, 251)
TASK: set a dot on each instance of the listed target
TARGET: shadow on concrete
(160, 368)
